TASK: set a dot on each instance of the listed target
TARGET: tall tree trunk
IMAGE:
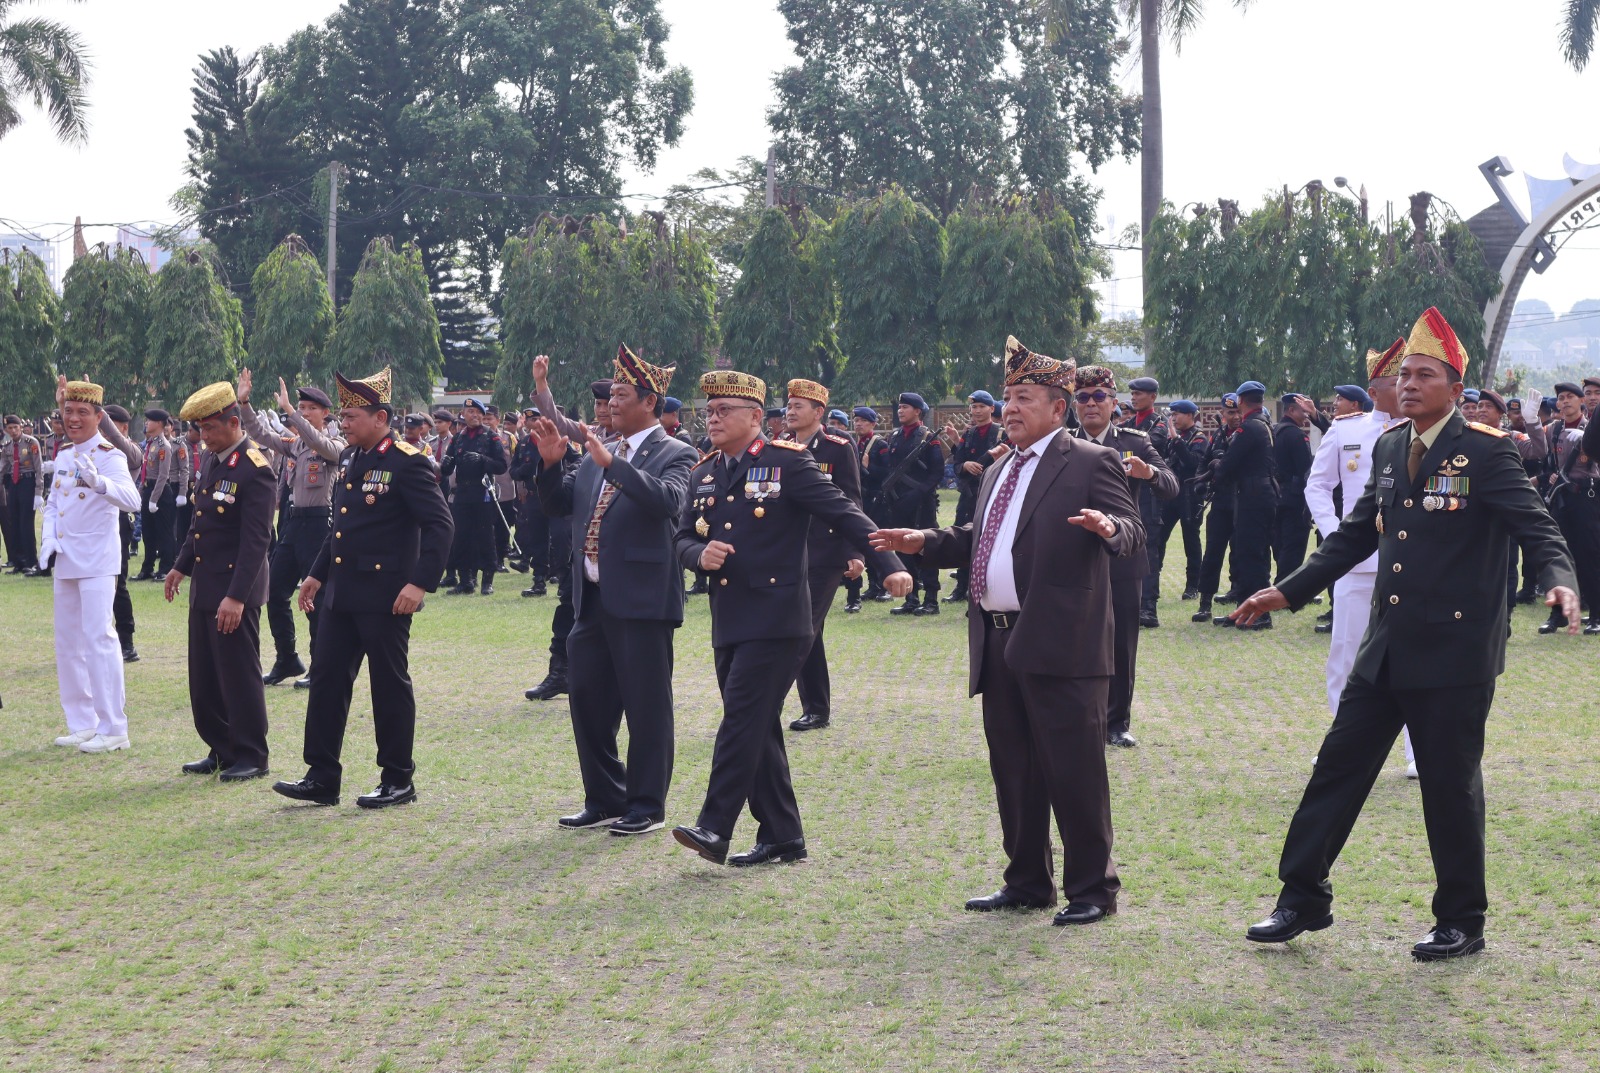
(1150, 155)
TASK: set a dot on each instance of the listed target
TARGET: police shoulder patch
(708, 456)
(1487, 430)
(788, 445)
(257, 457)
(405, 448)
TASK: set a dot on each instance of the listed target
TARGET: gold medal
(761, 512)
(702, 526)
(371, 499)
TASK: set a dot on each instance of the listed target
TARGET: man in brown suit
(1048, 522)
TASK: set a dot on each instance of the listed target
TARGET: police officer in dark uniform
(829, 559)
(1219, 521)
(746, 523)
(475, 453)
(1248, 464)
(308, 458)
(1186, 455)
(158, 497)
(225, 551)
(1291, 455)
(971, 452)
(1144, 417)
(871, 452)
(909, 493)
(672, 421)
(386, 548)
(533, 525)
(1150, 479)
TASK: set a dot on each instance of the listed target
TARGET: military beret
(911, 398)
(1184, 406)
(1252, 387)
(416, 420)
(774, 411)
(670, 405)
(866, 413)
(117, 413)
(1231, 398)
(156, 413)
(601, 389)
(1567, 385)
(492, 410)
(981, 396)
(443, 415)
(1144, 383)
(1515, 401)
(473, 404)
(1595, 380)
(1472, 394)
(316, 395)
(1495, 399)
(838, 415)
(13, 419)
(1354, 393)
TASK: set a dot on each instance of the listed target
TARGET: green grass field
(150, 921)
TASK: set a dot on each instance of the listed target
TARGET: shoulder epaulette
(708, 456)
(787, 445)
(107, 447)
(1345, 417)
(834, 437)
(255, 455)
(405, 448)
(1488, 430)
(1134, 431)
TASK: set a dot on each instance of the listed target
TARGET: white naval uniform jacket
(1344, 460)
(83, 524)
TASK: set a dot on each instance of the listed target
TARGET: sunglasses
(1091, 396)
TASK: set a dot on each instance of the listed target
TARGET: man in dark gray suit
(624, 500)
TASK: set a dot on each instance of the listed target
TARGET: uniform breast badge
(702, 526)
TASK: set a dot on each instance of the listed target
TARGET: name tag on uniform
(1351, 446)
(1385, 482)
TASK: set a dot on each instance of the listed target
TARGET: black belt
(309, 512)
(1001, 620)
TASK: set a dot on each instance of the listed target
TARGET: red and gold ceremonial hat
(728, 384)
(1433, 336)
(632, 369)
(1096, 376)
(84, 391)
(1023, 366)
(373, 391)
(808, 389)
(1386, 363)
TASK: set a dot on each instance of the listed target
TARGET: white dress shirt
(591, 570)
(1000, 593)
(90, 488)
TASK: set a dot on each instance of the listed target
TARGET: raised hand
(1095, 522)
(548, 439)
(541, 372)
(284, 401)
(242, 391)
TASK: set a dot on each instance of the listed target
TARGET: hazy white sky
(1399, 95)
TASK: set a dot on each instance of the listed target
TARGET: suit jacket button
(1394, 599)
(338, 561)
(1397, 568)
(1408, 502)
(724, 581)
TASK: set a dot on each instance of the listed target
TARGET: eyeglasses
(721, 412)
(1091, 396)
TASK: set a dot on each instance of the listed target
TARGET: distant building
(1522, 352)
(1570, 349)
(44, 250)
(154, 255)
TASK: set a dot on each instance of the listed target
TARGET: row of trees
(1295, 292)
(157, 337)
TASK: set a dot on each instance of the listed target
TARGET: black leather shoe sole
(1441, 953)
(293, 792)
(240, 773)
(712, 853)
(1299, 927)
(404, 797)
(1074, 915)
(624, 828)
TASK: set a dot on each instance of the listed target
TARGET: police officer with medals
(751, 504)
(307, 464)
(828, 558)
(225, 552)
(385, 549)
(1445, 496)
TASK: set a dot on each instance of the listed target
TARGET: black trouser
(158, 528)
(474, 548)
(1577, 512)
(1252, 535)
(19, 516)
(1125, 597)
(1047, 753)
(533, 536)
(225, 691)
(966, 506)
(1291, 531)
(1180, 514)
(383, 639)
(562, 621)
(1446, 726)
(1150, 518)
(1219, 538)
(5, 520)
(749, 762)
(916, 510)
(121, 602)
(302, 531)
(617, 666)
(813, 684)
(502, 533)
(852, 587)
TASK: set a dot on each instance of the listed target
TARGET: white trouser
(1352, 610)
(89, 657)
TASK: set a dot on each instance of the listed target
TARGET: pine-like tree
(30, 314)
(293, 318)
(196, 327)
(547, 306)
(105, 318)
(778, 322)
(390, 320)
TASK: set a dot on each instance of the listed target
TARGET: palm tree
(1577, 31)
(42, 62)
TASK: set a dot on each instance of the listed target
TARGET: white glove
(155, 508)
(49, 467)
(87, 475)
(47, 548)
(38, 502)
(183, 501)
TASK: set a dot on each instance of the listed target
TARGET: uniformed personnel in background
(158, 514)
(1219, 519)
(1186, 456)
(475, 457)
(24, 477)
(871, 460)
(908, 495)
(971, 452)
(1248, 465)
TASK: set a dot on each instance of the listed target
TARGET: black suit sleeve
(554, 487)
(822, 499)
(425, 501)
(257, 498)
(658, 497)
(1165, 483)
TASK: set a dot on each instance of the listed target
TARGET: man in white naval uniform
(90, 488)
(1344, 461)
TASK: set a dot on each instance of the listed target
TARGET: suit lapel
(1454, 425)
(1052, 460)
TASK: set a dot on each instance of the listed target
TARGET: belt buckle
(1000, 619)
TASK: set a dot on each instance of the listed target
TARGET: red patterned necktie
(997, 513)
(591, 537)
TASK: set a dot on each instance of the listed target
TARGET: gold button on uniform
(724, 581)
(349, 486)
(730, 499)
(772, 581)
(1394, 599)
(338, 560)
(344, 510)
(377, 566)
(1408, 502)
(337, 535)
(1397, 568)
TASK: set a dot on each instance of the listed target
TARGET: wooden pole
(333, 231)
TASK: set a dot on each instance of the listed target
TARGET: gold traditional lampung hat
(1386, 363)
(84, 391)
(728, 384)
(1023, 366)
(209, 400)
(632, 369)
(808, 389)
(1433, 336)
(373, 391)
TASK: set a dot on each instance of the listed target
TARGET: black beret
(156, 413)
(117, 413)
(601, 389)
(1144, 383)
(316, 395)
(1567, 385)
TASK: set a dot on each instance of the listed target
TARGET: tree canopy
(293, 318)
(29, 316)
(196, 331)
(105, 317)
(778, 322)
(389, 320)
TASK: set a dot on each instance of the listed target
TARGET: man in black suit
(1291, 462)
(624, 500)
(909, 495)
(751, 504)
(1048, 524)
(386, 548)
(225, 551)
(1247, 465)
(1445, 499)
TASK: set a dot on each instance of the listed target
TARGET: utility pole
(333, 230)
(772, 175)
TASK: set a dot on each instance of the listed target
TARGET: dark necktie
(997, 513)
(1414, 463)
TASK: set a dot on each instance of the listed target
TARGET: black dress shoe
(1442, 943)
(303, 682)
(1262, 623)
(957, 595)
(1550, 627)
(208, 766)
(486, 589)
(553, 686)
(1222, 620)
(129, 653)
(284, 668)
(771, 853)
(1002, 899)
(386, 795)
(1203, 614)
(699, 588)
(1229, 597)
(1326, 616)
(589, 817)
(502, 569)
(1190, 594)
(1081, 913)
(1285, 924)
(536, 589)
(307, 790)
(929, 607)
(809, 721)
(143, 575)
(635, 824)
(910, 607)
(879, 596)
(1524, 596)
(461, 590)
(1121, 739)
(710, 845)
(852, 607)
(243, 773)
(519, 566)
(1148, 620)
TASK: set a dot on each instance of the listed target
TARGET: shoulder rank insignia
(1488, 430)
(708, 456)
(383, 448)
(834, 437)
(1134, 431)
(787, 445)
(1345, 417)
(405, 448)
(106, 447)
(257, 457)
